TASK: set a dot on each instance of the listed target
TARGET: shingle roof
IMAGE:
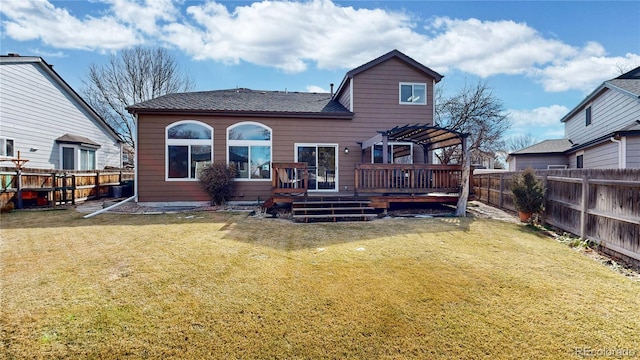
(546, 147)
(629, 85)
(246, 100)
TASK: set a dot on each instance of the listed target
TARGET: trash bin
(116, 191)
(127, 188)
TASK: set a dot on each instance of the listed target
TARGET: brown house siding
(375, 105)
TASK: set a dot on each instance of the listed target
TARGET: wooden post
(385, 144)
(19, 204)
(64, 188)
(584, 207)
(500, 197)
(54, 184)
(73, 189)
(461, 208)
(544, 186)
(97, 184)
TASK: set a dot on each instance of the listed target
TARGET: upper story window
(587, 116)
(189, 148)
(6, 147)
(249, 149)
(413, 93)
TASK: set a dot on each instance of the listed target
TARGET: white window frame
(3, 146)
(391, 143)
(580, 153)
(337, 159)
(184, 142)
(249, 144)
(77, 156)
(406, 102)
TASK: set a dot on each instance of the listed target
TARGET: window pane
(189, 131)
(402, 154)
(9, 148)
(260, 162)
(200, 155)
(87, 160)
(419, 94)
(239, 156)
(405, 93)
(178, 162)
(68, 159)
(249, 132)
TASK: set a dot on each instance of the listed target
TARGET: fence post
(544, 185)
(489, 189)
(73, 189)
(54, 185)
(19, 204)
(97, 184)
(584, 207)
(500, 197)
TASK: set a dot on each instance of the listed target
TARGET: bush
(217, 179)
(528, 192)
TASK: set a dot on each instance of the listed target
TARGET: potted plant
(528, 194)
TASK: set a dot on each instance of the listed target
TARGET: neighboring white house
(603, 131)
(45, 120)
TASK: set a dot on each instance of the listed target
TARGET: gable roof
(390, 55)
(554, 146)
(48, 69)
(627, 83)
(246, 101)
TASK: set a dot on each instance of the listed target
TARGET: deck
(379, 184)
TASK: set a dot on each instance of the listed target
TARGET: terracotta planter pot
(524, 216)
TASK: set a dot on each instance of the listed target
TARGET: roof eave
(263, 114)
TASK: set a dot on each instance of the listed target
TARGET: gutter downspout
(135, 180)
(622, 144)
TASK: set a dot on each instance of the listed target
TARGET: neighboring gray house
(603, 131)
(45, 120)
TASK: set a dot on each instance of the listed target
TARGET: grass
(224, 285)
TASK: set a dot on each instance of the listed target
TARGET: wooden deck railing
(407, 178)
(289, 178)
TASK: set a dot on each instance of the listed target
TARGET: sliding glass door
(322, 164)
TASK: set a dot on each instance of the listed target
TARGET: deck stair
(332, 209)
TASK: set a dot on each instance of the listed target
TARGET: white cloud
(541, 123)
(289, 35)
(316, 89)
(294, 35)
(56, 27)
(488, 48)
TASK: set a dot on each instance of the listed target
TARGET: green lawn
(223, 285)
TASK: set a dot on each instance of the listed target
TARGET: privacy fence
(36, 187)
(597, 204)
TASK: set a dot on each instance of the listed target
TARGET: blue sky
(540, 58)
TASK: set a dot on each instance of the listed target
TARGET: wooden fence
(36, 187)
(597, 204)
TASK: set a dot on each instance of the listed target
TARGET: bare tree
(477, 111)
(132, 76)
(519, 142)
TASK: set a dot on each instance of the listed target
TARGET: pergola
(429, 138)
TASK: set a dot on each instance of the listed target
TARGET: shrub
(528, 192)
(217, 179)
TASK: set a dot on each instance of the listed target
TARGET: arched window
(249, 149)
(189, 148)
